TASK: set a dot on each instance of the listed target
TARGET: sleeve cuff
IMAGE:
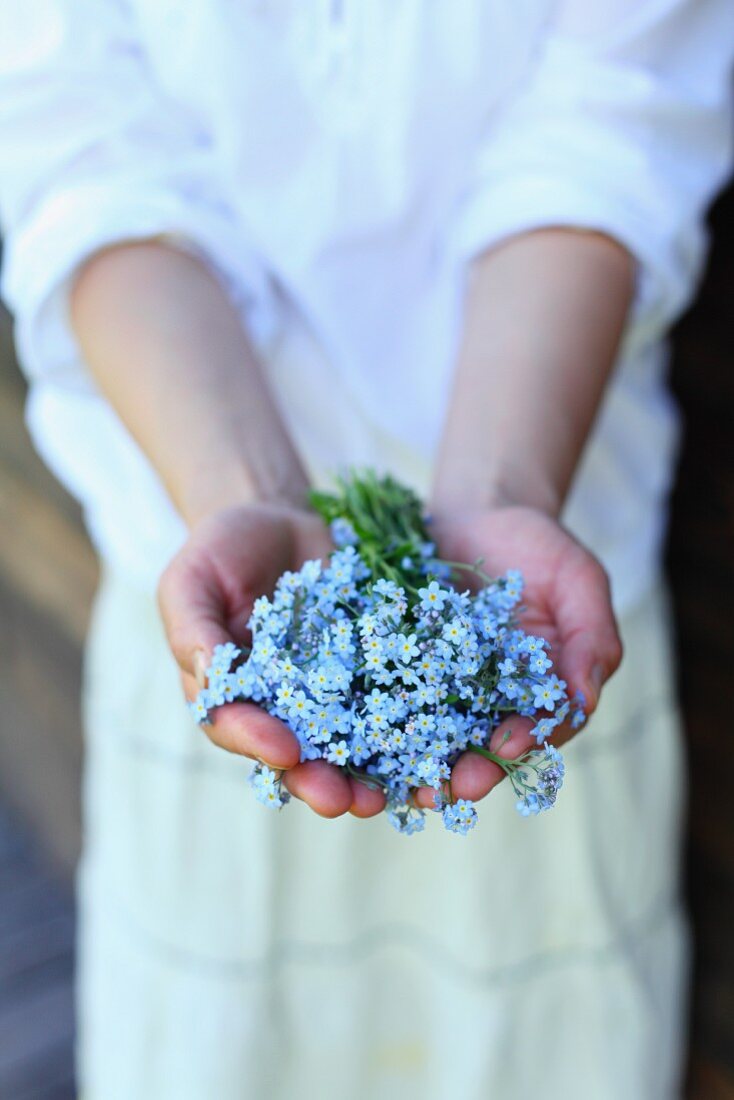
(505, 208)
(68, 228)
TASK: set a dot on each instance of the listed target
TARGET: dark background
(701, 569)
(47, 577)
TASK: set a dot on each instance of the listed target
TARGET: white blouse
(345, 158)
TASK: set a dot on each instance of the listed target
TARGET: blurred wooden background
(47, 577)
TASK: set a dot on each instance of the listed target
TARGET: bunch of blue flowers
(381, 666)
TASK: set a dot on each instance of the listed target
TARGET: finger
(192, 609)
(313, 539)
(367, 801)
(247, 730)
(473, 776)
(324, 787)
(590, 646)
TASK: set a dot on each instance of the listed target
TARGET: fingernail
(269, 764)
(199, 663)
(597, 680)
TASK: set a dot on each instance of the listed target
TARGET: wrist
(210, 493)
(480, 487)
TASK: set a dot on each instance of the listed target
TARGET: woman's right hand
(206, 596)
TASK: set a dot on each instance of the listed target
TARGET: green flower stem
(388, 520)
(372, 781)
(513, 769)
(508, 766)
(466, 567)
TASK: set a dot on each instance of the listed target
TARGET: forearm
(544, 316)
(168, 349)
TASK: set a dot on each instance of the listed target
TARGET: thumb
(591, 649)
(192, 608)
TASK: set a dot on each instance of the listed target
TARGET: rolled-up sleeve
(93, 152)
(623, 125)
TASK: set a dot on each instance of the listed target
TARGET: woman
(248, 245)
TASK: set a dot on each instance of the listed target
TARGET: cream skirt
(229, 952)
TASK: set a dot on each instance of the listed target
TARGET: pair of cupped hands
(207, 592)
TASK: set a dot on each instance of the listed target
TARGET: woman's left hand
(566, 600)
